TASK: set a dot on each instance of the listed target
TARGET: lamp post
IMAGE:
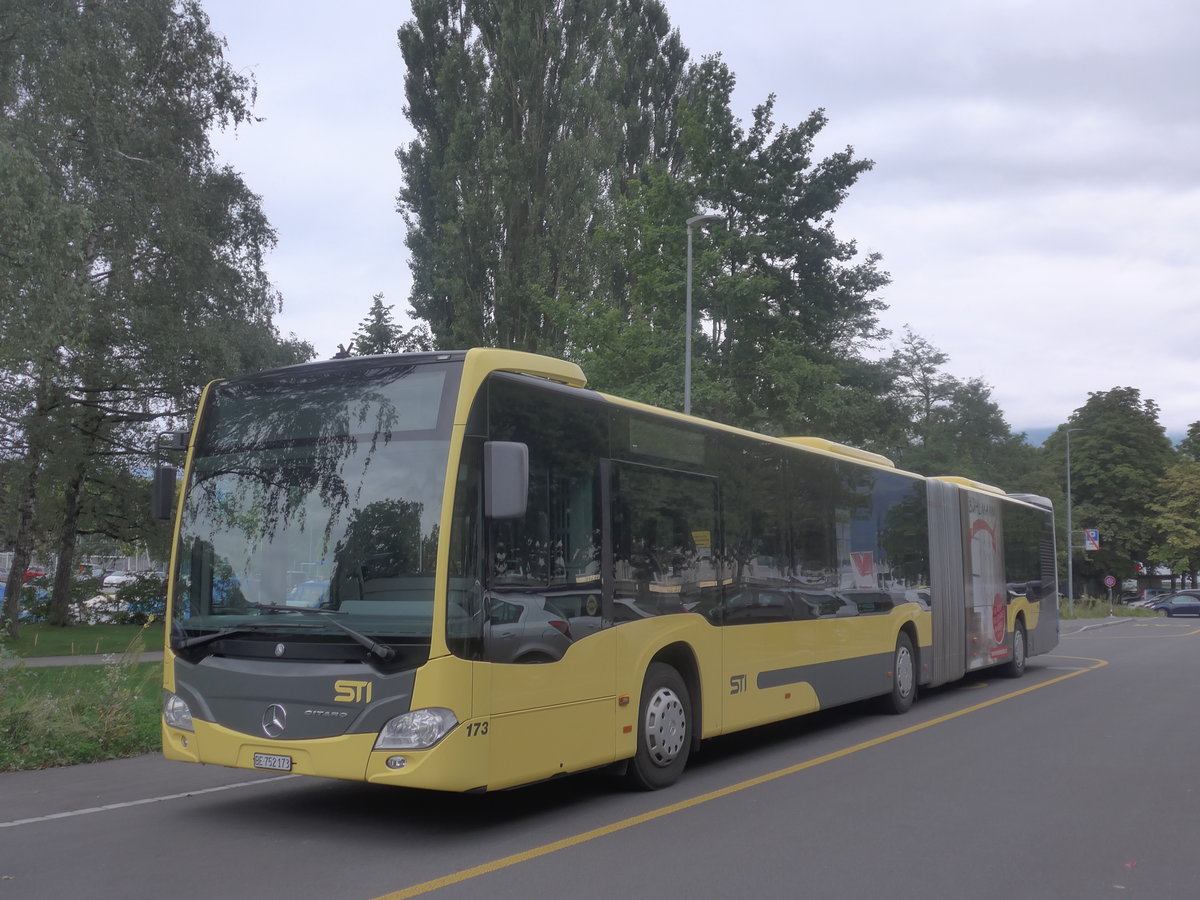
(702, 219)
(1070, 533)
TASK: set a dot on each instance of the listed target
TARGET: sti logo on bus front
(352, 692)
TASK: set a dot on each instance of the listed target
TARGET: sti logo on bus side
(352, 692)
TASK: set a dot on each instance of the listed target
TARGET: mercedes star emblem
(274, 720)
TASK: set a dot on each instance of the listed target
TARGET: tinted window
(664, 540)
(754, 509)
(314, 405)
(318, 488)
(551, 556)
(1029, 561)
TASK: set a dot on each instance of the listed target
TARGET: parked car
(309, 594)
(114, 580)
(1146, 596)
(525, 628)
(1182, 603)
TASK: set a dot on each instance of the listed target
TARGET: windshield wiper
(201, 639)
(383, 651)
(184, 643)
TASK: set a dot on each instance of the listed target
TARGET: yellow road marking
(435, 884)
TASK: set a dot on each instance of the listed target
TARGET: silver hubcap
(666, 726)
(1019, 647)
(904, 671)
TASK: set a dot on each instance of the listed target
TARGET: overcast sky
(1035, 196)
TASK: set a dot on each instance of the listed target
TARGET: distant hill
(1037, 436)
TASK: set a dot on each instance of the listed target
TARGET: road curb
(1103, 623)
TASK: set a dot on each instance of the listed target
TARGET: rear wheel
(904, 677)
(663, 729)
(1015, 667)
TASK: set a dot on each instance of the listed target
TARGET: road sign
(1091, 539)
(1109, 581)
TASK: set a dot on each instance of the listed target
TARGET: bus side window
(548, 561)
(664, 532)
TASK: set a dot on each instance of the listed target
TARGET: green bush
(143, 599)
(35, 601)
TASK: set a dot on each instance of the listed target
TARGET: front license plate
(273, 762)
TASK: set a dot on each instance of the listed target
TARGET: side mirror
(505, 479)
(162, 495)
(162, 491)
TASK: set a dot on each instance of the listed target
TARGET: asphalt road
(1076, 781)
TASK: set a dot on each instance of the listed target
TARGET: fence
(97, 566)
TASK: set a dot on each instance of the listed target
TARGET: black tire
(664, 729)
(904, 677)
(1015, 667)
(1164, 612)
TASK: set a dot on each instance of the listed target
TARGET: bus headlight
(176, 712)
(416, 730)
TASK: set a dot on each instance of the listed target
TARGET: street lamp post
(1070, 533)
(702, 219)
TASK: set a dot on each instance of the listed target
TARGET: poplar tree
(530, 119)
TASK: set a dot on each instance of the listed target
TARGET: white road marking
(70, 814)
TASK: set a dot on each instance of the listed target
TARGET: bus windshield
(313, 505)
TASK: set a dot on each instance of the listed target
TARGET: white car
(116, 579)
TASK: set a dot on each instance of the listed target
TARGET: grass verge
(82, 640)
(1098, 608)
(65, 715)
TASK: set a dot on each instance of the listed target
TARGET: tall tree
(783, 307)
(559, 149)
(1190, 445)
(632, 341)
(529, 116)
(1178, 518)
(954, 427)
(921, 385)
(793, 305)
(1119, 455)
(379, 333)
(137, 273)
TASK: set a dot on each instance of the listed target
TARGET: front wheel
(904, 677)
(1015, 667)
(663, 729)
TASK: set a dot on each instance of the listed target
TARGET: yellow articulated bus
(465, 571)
